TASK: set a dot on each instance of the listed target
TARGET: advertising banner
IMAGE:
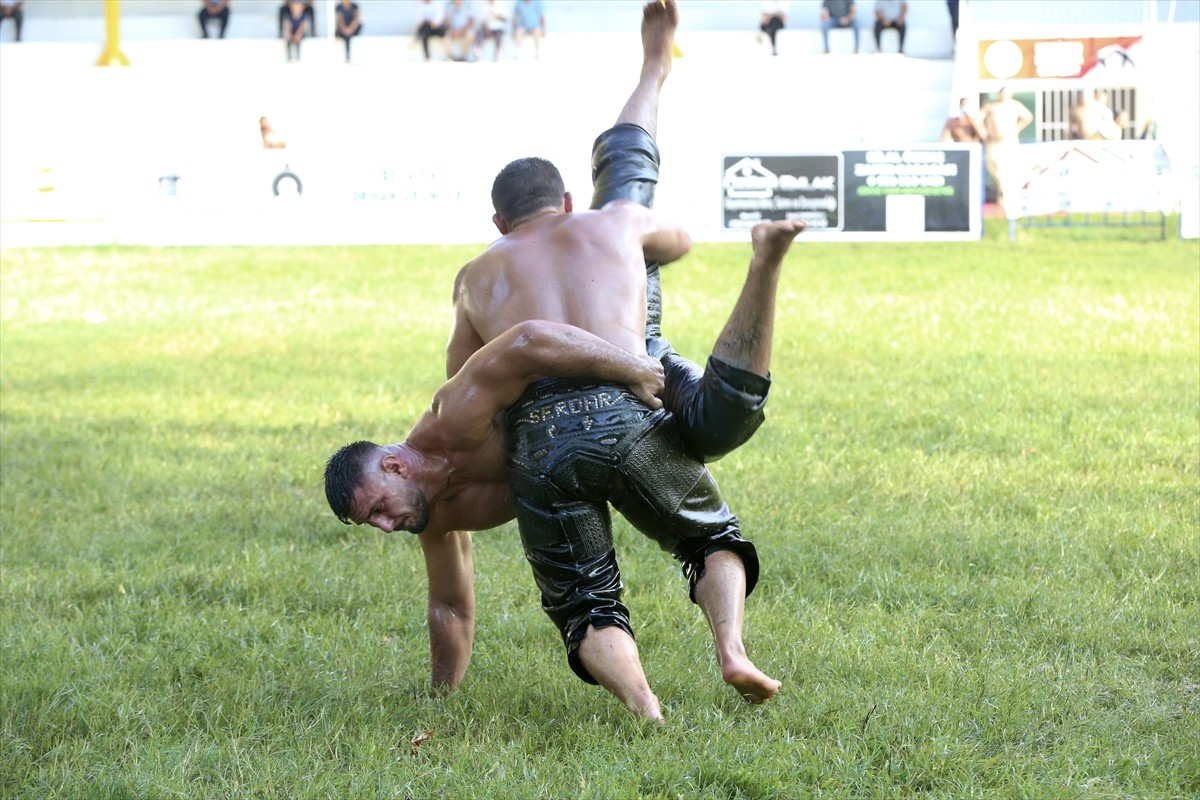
(1088, 177)
(803, 187)
(905, 192)
(1189, 204)
(1062, 58)
(911, 190)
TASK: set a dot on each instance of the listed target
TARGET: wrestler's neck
(434, 474)
(534, 217)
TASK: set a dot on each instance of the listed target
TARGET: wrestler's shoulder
(623, 206)
(624, 213)
(488, 260)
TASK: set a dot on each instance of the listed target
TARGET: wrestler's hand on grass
(651, 384)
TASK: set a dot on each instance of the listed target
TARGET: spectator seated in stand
(838, 14)
(214, 9)
(492, 24)
(889, 15)
(309, 16)
(349, 23)
(774, 19)
(529, 18)
(295, 23)
(431, 24)
(460, 30)
(12, 10)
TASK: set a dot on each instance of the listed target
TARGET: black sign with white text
(931, 182)
(906, 192)
(765, 188)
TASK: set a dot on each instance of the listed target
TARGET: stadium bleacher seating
(162, 35)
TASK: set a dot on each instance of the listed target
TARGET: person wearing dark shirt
(309, 16)
(11, 10)
(295, 24)
(838, 14)
(349, 23)
(214, 9)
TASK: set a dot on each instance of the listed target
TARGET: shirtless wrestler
(583, 268)
(626, 166)
(449, 476)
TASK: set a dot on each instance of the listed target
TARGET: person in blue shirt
(529, 18)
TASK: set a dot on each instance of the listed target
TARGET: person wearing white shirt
(492, 24)
(431, 22)
(774, 19)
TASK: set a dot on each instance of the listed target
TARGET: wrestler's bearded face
(392, 503)
(416, 517)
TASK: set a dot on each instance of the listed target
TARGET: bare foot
(611, 657)
(771, 240)
(659, 20)
(650, 712)
(751, 682)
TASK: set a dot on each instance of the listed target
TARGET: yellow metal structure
(112, 55)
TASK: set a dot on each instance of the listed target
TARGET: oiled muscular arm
(665, 243)
(464, 339)
(446, 545)
(451, 608)
(465, 407)
(662, 241)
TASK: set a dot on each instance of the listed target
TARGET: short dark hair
(344, 474)
(525, 186)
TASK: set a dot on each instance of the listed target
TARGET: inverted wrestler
(719, 408)
(588, 269)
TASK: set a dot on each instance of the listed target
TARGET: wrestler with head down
(581, 436)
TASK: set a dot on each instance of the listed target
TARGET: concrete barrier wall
(391, 149)
(398, 150)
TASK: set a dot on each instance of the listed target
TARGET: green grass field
(976, 497)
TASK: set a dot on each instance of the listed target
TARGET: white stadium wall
(398, 152)
(391, 149)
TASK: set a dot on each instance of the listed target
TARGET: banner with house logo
(904, 193)
(803, 187)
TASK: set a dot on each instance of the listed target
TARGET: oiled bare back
(586, 269)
